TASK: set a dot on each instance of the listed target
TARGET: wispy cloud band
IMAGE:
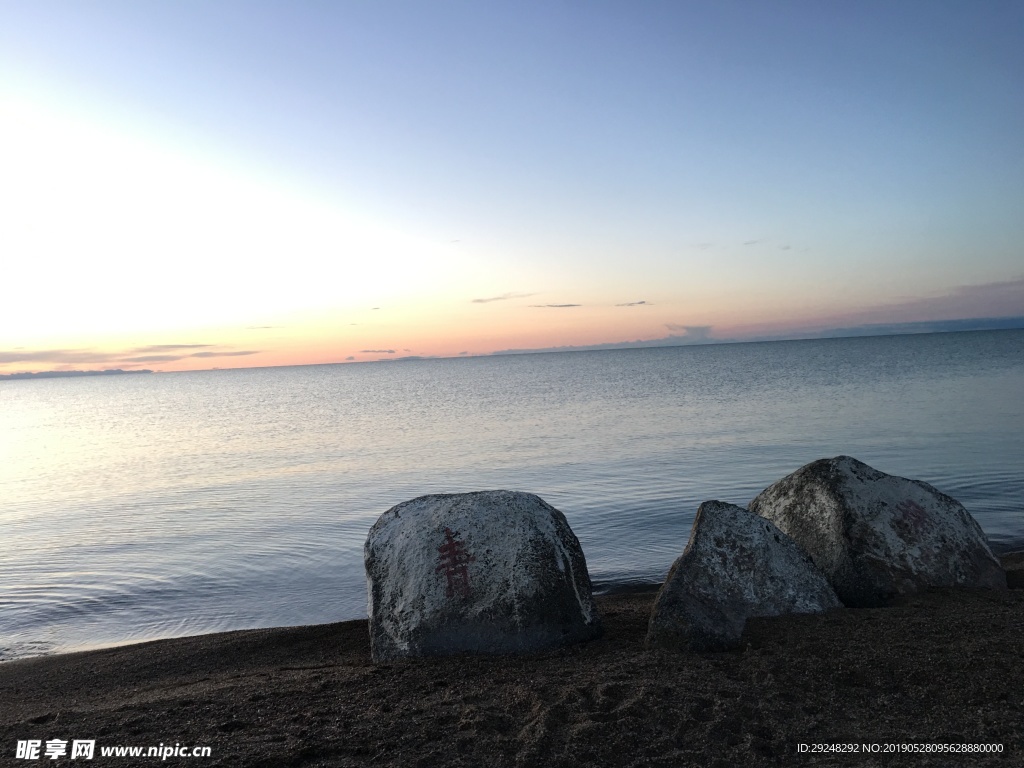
(154, 353)
(503, 297)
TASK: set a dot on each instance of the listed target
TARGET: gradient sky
(190, 185)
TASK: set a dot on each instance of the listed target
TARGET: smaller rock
(736, 565)
(1013, 564)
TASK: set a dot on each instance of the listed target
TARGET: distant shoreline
(68, 374)
(670, 342)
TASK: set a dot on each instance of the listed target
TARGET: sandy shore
(943, 667)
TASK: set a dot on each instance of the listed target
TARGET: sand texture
(946, 666)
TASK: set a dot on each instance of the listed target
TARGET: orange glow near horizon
(450, 328)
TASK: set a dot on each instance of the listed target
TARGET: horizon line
(1013, 323)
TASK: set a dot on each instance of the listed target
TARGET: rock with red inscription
(876, 536)
(487, 572)
(736, 565)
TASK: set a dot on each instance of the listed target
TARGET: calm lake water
(137, 507)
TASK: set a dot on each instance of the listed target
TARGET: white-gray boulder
(735, 566)
(876, 536)
(486, 572)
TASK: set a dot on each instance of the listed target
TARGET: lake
(146, 506)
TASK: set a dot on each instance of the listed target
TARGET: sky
(193, 185)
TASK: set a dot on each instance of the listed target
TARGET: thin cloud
(261, 327)
(556, 306)
(503, 297)
(152, 359)
(169, 347)
(59, 356)
(692, 332)
(636, 304)
(377, 351)
(172, 358)
(986, 306)
(985, 300)
(351, 357)
(154, 353)
(226, 354)
(751, 242)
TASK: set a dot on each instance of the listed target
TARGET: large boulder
(486, 572)
(876, 536)
(735, 566)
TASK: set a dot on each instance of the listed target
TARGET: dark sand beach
(943, 667)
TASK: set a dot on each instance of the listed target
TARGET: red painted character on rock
(454, 561)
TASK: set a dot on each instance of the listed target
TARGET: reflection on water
(153, 506)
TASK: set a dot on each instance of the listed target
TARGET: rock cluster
(502, 572)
